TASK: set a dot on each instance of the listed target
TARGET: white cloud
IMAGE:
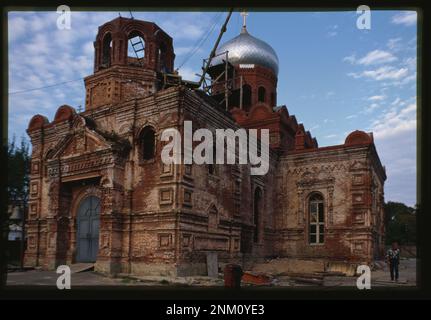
(372, 58)
(88, 49)
(351, 59)
(188, 74)
(407, 18)
(16, 28)
(371, 108)
(187, 31)
(332, 31)
(394, 71)
(395, 121)
(377, 98)
(396, 102)
(191, 27)
(410, 62)
(409, 110)
(403, 81)
(394, 44)
(382, 73)
(187, 50)
(395, 139)
(329, 94)
(58, 56)
(62, 55)
(38, 23)
(331, 136)
(377, 57)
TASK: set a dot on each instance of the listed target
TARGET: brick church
(100, 193)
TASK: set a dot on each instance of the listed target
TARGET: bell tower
(130, 58)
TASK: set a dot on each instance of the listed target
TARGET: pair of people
(393, 260)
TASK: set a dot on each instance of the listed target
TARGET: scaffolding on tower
(222, 82)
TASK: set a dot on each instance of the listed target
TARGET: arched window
(161, 57)
(148, 143)
(316, 219)
(106, 50)
(261, 93)
(135, 48)
(256, 213)
(246, 97)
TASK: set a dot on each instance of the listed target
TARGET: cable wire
(202, 40)
(44, 87)
(197, 46)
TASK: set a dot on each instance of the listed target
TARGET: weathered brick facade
(162, 219)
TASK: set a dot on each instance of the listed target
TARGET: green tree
(400, 222)
(18, 172)
(18, 165)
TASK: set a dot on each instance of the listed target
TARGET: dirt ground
(280, 274)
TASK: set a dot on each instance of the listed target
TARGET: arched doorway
(87, 238)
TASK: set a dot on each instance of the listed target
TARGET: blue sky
(334, 77)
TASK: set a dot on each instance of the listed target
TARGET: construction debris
(280, 266)
(256, 278)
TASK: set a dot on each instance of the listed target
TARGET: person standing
(393, 259)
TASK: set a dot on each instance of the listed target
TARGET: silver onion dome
(246, 49)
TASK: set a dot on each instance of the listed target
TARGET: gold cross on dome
(244, 18)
